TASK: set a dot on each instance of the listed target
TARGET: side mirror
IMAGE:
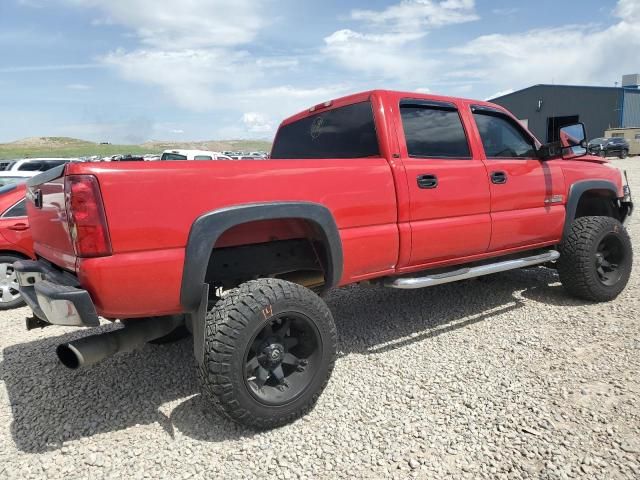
(573, 136)
(572, 143)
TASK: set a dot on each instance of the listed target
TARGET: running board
(470, 272)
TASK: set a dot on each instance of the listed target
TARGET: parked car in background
(128, 158)
(33, 166)
(193, 155)
(15, 241)
(607, 147)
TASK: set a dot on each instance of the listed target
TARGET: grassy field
(71, 147)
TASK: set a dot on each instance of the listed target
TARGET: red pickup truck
(404, 189)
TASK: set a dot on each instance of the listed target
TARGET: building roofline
(562, 86)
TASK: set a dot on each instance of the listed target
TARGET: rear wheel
(624, 153)
(595, 259)
(270, 347)
(9, 292)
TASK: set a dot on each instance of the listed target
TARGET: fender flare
(575, 192)
(207, 228)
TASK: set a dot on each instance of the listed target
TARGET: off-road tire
(231, 325)
(577, 263)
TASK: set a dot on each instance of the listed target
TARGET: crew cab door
(448, 188)
(14, 227)
(527, 194)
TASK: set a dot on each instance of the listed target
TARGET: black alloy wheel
(283, 358)
(609, 257)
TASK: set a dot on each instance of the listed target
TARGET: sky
(128, 71)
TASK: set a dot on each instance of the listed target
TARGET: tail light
(85, 214)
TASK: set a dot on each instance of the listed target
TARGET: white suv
(34, 166)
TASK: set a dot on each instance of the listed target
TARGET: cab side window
(501, 138)
(433, 130)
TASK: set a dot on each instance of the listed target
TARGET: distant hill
(72, 147)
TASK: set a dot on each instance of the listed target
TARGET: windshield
(173, 156)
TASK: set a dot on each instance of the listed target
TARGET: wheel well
(599, 202)
(290, 249)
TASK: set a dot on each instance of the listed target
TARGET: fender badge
(554, 199)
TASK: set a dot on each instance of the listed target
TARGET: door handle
(18, 227)
(427, 181)
(498, 177)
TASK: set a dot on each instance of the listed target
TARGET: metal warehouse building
(547, 108)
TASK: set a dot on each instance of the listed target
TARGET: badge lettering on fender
(554, 199)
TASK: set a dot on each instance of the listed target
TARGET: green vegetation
(71, 147)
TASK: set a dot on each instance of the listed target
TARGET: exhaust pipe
(94, 348)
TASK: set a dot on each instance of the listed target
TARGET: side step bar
(470, 272)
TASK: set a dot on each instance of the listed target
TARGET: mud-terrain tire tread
(240, 309)
(575, 265)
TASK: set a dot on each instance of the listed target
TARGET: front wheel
(595, 259)
(270, 348)
(624, 153)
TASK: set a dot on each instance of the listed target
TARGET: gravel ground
(504, 377)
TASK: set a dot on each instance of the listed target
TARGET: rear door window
(202, 157)
(18, 210)
(344, 132)
(433, 130)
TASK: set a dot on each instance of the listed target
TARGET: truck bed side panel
(150, 209)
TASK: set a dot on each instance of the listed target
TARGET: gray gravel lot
(503, 377)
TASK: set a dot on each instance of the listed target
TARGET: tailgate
(48, 218)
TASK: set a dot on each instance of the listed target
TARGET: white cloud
(398, 52)
(500, 93)
(47, 68)
(79, 86)
(377, 54)
(412, 15)
(572, 54)
(194, 50)
(173, 25)
(257, 122)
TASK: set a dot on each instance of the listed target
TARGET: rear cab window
(433, 129)
(343, 132)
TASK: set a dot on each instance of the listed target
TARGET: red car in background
(15, 241)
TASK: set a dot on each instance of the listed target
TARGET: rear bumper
(54, 296)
